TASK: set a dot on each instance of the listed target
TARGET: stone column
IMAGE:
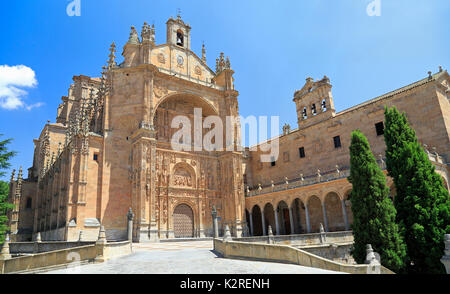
(4, 253)
(308, 225)
(291, 221)
(344, 213)
(276, 221)
(215, 224)
(325, 218)
(251, 223)
(130, 217)
(263, 221)
(446, 258)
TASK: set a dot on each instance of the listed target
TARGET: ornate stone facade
(110, 149)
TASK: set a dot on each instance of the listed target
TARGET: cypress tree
(422, 202)
(373, 211)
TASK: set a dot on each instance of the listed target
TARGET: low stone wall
(115, 249)
(88, 253)
(303, 239)
(40, 247)
(286, 254)
(335, 252)
(53, 235)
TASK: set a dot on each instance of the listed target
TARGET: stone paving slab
(185, 258)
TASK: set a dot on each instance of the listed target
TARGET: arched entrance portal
(257, 222)
(315, 213)
(284, 218)
(183, 221)
(335, 215)
(269, 217)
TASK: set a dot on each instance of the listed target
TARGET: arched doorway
(315, 213)
(284, 219)
(298, 216)
(257, 222)
(269, 218)
(335, 217)
(183, 221)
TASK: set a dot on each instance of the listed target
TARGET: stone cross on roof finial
(178, 13)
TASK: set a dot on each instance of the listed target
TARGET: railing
(328, 176)
(288, 184)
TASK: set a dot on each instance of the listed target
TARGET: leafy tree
(422, 202)
(5, 156)
(373, 210)
(4, 207)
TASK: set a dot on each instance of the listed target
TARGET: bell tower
(178, 32)
(314, 102)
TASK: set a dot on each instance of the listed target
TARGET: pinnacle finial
(203, 53)
(133, 39)
(19, 176)
(13, 174)
(112, 56)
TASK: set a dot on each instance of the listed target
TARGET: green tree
(422, 202)
(373, 210)
(5, 156)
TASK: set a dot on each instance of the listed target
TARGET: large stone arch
(284, 222)
(269, 217)
(257, 221)
(212, 109)
(335, 216)
(298, 216)
(179, 104)
(315, 213)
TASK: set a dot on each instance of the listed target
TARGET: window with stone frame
(337, 142)
(286, 156)
(379, 127)
(301, 152)
(272, 161)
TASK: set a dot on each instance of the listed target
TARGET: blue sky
(273, 46)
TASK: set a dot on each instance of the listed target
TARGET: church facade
(110, 150)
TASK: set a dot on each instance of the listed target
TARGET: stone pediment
(311, 86)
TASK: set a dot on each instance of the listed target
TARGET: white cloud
(12, 79)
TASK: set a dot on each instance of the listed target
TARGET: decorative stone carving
(160, 91)
(198, 70)
(161, 58)
(182, 177)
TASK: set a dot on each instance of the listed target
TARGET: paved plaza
(184, 258)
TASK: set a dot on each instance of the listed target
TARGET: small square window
(95, 156)
(337, 142)
(379, 127)
(301, 152)
(272, 161)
